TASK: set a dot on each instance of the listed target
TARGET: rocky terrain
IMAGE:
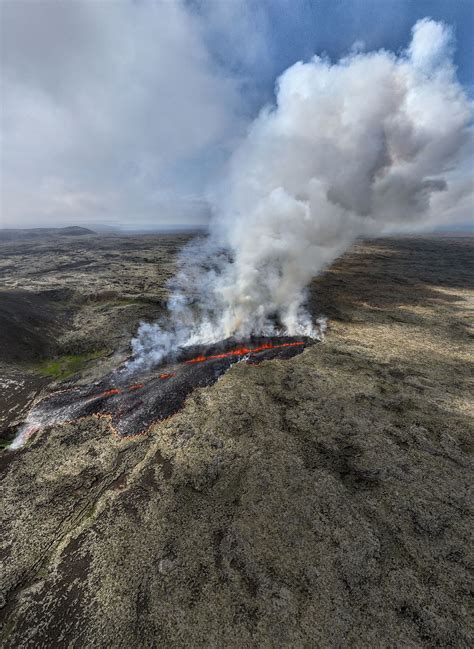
(69, 306)
(320, 501)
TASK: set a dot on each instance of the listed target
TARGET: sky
(125, 112)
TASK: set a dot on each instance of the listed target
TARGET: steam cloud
(370, 144)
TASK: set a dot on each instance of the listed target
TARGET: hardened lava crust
(131, 401)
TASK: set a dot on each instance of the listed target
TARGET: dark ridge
(17, 234)
(29, 325)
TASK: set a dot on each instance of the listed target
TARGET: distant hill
(16, 234)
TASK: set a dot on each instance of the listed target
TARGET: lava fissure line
(131, 410)
(241, 352)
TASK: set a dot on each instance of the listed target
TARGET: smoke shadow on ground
(392, 278)
(29, 325)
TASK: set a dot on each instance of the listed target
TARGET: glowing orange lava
(109, 393)
(136, 386)
(241, 352)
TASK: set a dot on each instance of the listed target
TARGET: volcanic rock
(317, 501)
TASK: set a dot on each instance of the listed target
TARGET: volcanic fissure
(132, 408)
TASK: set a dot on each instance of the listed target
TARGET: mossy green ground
(67, 365)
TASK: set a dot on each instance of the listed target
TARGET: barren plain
(320, 501)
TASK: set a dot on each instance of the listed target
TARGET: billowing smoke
(370, 144)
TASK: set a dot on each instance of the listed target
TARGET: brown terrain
(324, 500)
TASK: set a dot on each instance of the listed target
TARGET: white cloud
(104, 106)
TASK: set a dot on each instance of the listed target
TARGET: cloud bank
(127, 111)
(107, 106)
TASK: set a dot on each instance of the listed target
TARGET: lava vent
(132, 405)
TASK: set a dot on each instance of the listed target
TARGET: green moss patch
(65, 366)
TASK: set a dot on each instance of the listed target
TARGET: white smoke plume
(370, 144)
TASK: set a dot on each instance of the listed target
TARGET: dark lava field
(313, 495)
(133, 401)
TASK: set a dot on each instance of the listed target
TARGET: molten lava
(109, 393)
(132, 408)
(242, 351)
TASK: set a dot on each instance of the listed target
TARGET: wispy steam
(360, 147)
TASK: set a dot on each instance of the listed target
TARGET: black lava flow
(132, 403)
